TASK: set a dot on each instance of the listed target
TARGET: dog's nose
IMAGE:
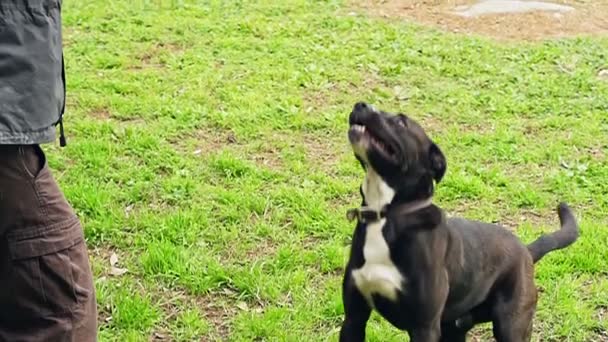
(359, 106)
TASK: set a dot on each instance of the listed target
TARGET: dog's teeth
(359, 128)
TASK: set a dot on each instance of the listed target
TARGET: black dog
(432, 276)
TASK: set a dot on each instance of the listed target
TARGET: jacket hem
(28, 138)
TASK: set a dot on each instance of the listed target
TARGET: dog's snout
(360, 106)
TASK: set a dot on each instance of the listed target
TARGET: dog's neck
(377, 195)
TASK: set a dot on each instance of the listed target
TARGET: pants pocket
(50, 271)
(33, 160)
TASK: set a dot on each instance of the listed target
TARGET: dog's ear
(438, 162)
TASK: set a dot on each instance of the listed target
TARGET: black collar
(366, 214)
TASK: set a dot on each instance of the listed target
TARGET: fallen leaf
(113, 259)
(400, 93)
(228, 292)
(232, 138)
(128, 210)
(116, 271)
(243, 306)
(159, 336)
(197, 152)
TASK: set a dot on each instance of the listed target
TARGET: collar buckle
(365, 214)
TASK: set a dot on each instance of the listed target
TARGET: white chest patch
(378, 275)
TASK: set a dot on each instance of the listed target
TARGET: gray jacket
(32, 77)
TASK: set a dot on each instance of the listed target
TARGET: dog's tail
(562, 238)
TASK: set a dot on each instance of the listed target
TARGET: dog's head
(396, 148)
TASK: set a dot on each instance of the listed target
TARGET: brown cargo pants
(46, 285)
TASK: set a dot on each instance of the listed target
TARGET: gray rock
(506, 7)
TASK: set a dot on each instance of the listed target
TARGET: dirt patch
(320, 151)
(152, 58)
(268, 152)
(218, 314)
(590, 18)
(547, 219)
(220, 308)
(268, 149)
(242, 254)
(324, 152)
(101, 114)
(203, 141)
(596, 152)
(261, 250)
(264, 151)
(316, 100)
(217, 309)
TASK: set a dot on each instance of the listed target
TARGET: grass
(207, 149)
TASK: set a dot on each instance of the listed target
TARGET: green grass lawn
(207, 149)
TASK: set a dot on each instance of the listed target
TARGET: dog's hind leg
(516, 328)
(513, 311)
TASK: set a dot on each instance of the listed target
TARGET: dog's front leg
(353, 328)
(433, 288)
(430, 333)
(356, 313)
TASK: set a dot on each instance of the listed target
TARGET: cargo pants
(46, 284)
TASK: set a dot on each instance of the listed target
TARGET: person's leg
(47, 291)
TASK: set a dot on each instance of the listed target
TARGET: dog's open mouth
(359, 134)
